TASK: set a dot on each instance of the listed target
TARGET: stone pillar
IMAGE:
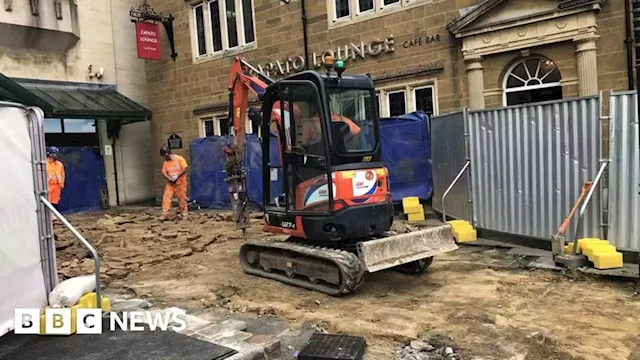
(475, 79)
(586, 58)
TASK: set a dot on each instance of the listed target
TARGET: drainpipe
(629, 43)
(115, 170)
(304, 34)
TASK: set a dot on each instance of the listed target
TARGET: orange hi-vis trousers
(55, 177)
(179, 188)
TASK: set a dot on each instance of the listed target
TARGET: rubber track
(351, 271)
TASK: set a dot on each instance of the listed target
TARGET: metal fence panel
(624, 172)
(528, 164)
(448, 156)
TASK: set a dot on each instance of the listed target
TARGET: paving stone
(269, 343)
(131, 305)
(230, 337)
(223, 326)
(194, 324)
(246, 351)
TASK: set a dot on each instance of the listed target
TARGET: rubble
(128, 241)
(429, 347)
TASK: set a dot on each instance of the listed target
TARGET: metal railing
(85, 242)
(453, 183)
(583, 208)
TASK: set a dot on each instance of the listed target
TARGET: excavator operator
(312, 133)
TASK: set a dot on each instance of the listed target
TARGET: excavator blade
(394, 250)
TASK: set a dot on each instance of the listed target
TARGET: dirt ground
(491, 305)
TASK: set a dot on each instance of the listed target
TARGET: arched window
(532, 80)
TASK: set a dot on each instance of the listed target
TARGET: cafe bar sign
(352, 51)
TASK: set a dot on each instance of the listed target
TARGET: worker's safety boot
(183, 216)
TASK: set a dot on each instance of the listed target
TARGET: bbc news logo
(89, 321)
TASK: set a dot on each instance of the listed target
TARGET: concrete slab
(230, 337)
(223, 326)
(269, 343)
(247, 351)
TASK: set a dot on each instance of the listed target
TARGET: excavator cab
(326, 127)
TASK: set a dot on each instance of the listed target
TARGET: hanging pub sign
(148, 40)
(174, 141)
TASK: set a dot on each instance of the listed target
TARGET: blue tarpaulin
(84, 179)
(207, 164)
(405, 152)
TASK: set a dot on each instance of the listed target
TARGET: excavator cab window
(303, 147)
(353, 119)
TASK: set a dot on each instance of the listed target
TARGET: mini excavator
(326, 127)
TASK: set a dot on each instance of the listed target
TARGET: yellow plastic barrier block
(455, 223)
(611, 260)
(598, 248)
(414, 209)
(90, 301)
(410, 201)
(416, 217)
(586, 242)
(466, 235)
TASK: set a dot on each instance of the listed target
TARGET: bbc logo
(58, 321)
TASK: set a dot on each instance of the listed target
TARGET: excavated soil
(483, 301)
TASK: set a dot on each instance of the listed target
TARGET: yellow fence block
(598, 248)
(610, 260)
(415, 217)
(410, 201)
(414, 209)
(455, 223)
(90, 301)
(466, 235)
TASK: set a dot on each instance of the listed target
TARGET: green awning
(73, 100)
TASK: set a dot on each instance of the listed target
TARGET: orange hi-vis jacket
(55, 176)
(174, 167)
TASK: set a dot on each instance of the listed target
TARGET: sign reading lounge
(352, 51)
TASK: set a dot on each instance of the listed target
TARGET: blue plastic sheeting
(406, 152)
(84, 177)
(207, 163)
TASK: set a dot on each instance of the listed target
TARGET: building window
(532, 80)
(348, 11)
(79, 125)
(401, 98)
(217, 126)
(53, 126)
(223, 25)
(397, 103)
(423, 99)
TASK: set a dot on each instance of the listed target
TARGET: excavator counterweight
(329, 190)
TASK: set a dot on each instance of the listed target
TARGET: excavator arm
(241, 85)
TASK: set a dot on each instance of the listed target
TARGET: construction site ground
(487, 302)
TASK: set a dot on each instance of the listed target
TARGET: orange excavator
(327, 132)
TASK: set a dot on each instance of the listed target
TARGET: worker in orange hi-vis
(174, 170)
(55, 176)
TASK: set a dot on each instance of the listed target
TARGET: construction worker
(312, 133)
(55, 176)
(174, 170)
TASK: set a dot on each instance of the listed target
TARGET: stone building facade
(431, 55)
(82, 49)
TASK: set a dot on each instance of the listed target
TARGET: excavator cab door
(297, 114)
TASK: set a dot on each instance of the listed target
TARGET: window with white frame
(401, 99)
(216, 126)
(345, 11)
(221, 25)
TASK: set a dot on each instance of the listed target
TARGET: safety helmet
(52, 150)
(164, 151)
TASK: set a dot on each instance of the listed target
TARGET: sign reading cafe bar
(352, 51)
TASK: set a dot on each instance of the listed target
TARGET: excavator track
(330, 271)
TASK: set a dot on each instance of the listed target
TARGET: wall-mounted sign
(425, 40)
(148, 41)
(353, 51)
(174, 141)
(565, 4)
